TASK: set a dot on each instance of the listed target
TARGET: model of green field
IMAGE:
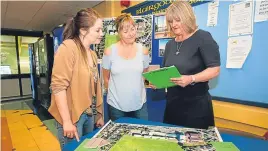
(131, 143)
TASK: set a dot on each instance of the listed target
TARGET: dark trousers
(193, 112)
(140, 114)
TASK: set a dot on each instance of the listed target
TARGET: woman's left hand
(100, 122)
(183, 81)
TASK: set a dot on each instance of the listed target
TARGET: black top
(198, 52)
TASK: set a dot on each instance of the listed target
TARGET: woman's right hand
(70, 130)
(152, 86)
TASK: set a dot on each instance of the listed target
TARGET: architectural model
(123, 136)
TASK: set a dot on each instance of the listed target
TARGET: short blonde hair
(120, 20)
(183, 11)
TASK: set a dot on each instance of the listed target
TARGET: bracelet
(193, 80)
(104, 91)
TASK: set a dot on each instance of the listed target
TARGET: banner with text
(155, 7)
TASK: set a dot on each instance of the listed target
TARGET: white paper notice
(238, 50)
(213, 9)
(241, 18)
(5, 70)
(261, 11)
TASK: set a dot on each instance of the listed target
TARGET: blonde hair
(120, 20)
(183, 11)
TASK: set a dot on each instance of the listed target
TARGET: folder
(161, 77)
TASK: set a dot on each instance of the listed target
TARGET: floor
(22, 130)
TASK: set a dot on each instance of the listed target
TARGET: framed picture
(162, 45)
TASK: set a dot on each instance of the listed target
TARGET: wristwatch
(193, 80)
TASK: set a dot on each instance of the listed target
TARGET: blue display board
(57, 37)
(247, 85)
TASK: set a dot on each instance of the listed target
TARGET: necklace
(93, 69)
(178, 48)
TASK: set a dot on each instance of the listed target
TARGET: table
(243, 143)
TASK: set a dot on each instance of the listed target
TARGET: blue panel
(249, 83)
(57, 37)
(30, 48)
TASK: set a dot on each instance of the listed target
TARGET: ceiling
(40, 15)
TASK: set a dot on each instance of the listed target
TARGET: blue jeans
(140, 114)
(84, 126)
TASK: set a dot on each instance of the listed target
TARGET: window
(15, 61)
(24, 53)
(8, 55)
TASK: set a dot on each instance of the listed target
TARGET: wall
(239, 117)
(247, 83)
(112, 8)
(117, 8)
(104, 9)
(242, 84)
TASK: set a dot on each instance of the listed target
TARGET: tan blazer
(70, 73)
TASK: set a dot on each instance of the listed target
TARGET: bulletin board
(248, 85)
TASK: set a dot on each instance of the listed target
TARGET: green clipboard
(161, 77)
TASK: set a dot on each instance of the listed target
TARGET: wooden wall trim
(250, 115)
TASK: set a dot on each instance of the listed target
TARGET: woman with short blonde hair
(196, 55)
(187, 18)
(123, 64)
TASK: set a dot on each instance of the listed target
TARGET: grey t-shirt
(126, 91)
(198, 52)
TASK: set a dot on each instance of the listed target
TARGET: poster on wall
(161, 29)
(241, 18)
(213, 9)
(261, 11)
(144, 34)
(162, 45)
(238, 50)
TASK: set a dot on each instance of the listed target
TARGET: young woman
(76, 101)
